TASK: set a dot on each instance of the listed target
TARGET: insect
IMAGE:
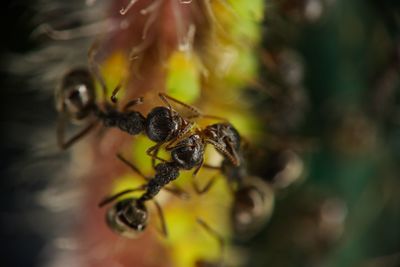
(188, 153)
(252, 206)
(76, 101)
(129, 217)
(252, 197)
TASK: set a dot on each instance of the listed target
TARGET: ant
(188, 153)
(252, 196)
(76, 101)
(252, 206)
(131, 215)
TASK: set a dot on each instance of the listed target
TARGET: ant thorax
(76, 94)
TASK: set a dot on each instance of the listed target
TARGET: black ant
(252, 206)
(252, 196)
(188, 153)
(76, 101)
(129, 217)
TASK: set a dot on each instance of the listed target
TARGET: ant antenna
(163, 230)
(214, 234)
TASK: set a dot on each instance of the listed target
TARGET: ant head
(128, 217)
(76, 94)
(224, 133)
(252, 206)
(189, 152)
(226, 140)
(161, 126)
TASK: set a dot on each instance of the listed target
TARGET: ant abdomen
(252, 206)
(128, 217)
(189, 152)
(160, 125)
(76, 95)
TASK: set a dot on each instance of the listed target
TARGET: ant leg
(206, 188)
(64, 144)
(114, 93)
(178, 138)
(198, 167)
(95, 69)
(215, 235)
(178, 192)
(164, 97)
(196, 186)
(205, 165)
(207, 117)
(152, 152)
(197, 113)
(164, 230)
(133, 167)
(131, 103)
(111, 198)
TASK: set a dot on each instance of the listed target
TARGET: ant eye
(128, 218)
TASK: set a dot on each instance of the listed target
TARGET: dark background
(20, 111)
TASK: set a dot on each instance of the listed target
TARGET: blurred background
(331, 106)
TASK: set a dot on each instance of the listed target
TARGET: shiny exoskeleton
(127, 217)
(226, 140)
(253, 198)
(76, 101)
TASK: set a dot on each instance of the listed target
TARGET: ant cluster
(181, 137)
